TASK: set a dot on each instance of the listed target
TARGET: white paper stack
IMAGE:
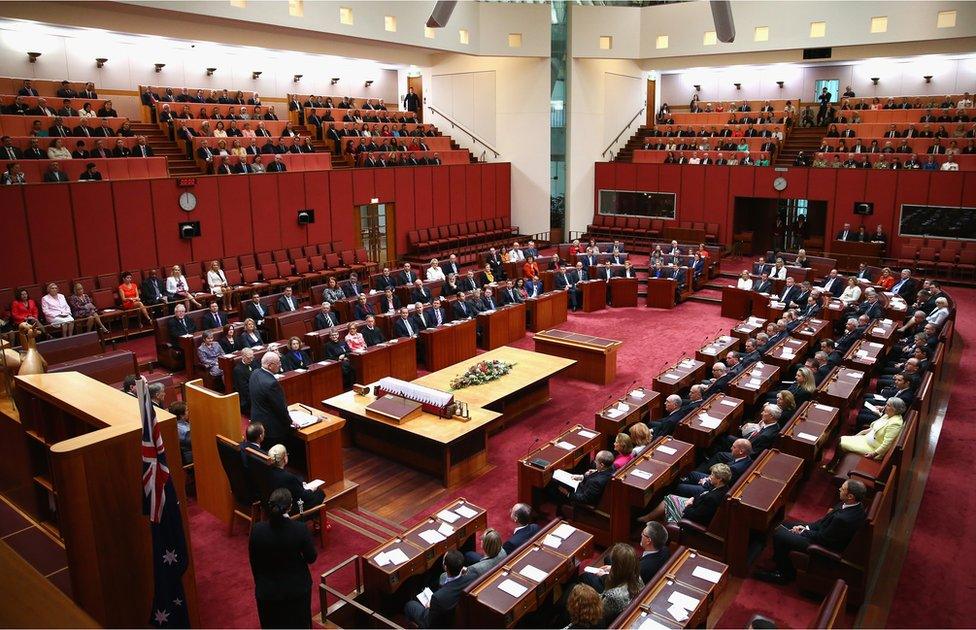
(709, 422)
(641, 474)
(667, 450)
(566, 446)
(707, 574)
(583, 433)
(566, 478)
(533, 573)
(512, 587)
(432, 536)
(447, 515)
(637, 393)
(465, 511)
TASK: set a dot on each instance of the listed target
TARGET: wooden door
(417, 83)
(651, 94)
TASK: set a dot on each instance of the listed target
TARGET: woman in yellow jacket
(875, 441)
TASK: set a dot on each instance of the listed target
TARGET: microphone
(534, 442)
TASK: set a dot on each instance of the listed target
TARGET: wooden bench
(61, 349)
(110, 367)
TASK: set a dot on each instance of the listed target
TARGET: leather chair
(246, 503)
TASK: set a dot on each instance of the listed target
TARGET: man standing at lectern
(268, 405)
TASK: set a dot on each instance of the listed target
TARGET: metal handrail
(623, 131)
(470, 133)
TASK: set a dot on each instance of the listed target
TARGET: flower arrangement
(481, 373)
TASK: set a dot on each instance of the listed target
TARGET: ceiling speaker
(441, 14)
(722, 16)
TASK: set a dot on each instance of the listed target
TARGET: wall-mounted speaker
(722, 17)
(306, 216)
(189, 229)
(441, 14)
(864, 208)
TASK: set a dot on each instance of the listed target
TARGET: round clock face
(188, 201)
(779, 183)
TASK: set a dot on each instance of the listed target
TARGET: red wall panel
(821, 184)
(441, 194)
(94, 219)
(52, 232)
(459, 195)
(741, 183)
(946, 189)
(503, 189)
(423, 196)
(210, 244)
(763, 184)
(385, 187)
(291, 198)
(135, 224)
(473, 193)
(167, 215)
(17, 267)
(363, 186)
(851, 185)
(647, 175)
(604, 177)
(235, 215)
(716, 200)
(489, 202)
(796, 183)
(692, 197)
(626, 176)
(340, 193)
(405, 213)
(969, 191)
(880, 190)
(317, 198)
(264, 213)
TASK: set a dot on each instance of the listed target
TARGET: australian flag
(160, 504)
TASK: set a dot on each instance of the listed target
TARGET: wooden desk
(751, 386)
(188, 346)
(637, 405)
(38, 602)
(562, 452)
(813, 331)
(883, 331)
(623, 292)
(484, 605)
(397, 358)
(840, 387)
(748, 328)
(809, 432)
(596, 358)
(502, 326)
(736, 303)
(594, 294)
(547, 310)
(661, 292)
(651, 605)
(449, 343)
(759, 502)
(680, 377)
(897, 308)
(717, 349)
(850, 254)
(320, 381)
(665, 460)
(787, 352)
(292, 323)
(864, 355)
(696, 428)
(323, 446)
(381, 581)
(683, 235)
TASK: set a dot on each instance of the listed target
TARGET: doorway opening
(417, 83)
(780, 224)
(376, 231)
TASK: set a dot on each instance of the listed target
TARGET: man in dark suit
(403, 326)
(654, 555)
(153, 289)
(90, 174)
(834, 531)
(789, 292)
(439, 613)
(846, 234)
(452, 266)
(508, 294)
(213, 318)
(180, 325)
(436, 315)
(326, 318)
(242, 381)
(287, 302)
(27, 89)
(253, 438)
(54, 174)
(906, 286)
(276, 165)
(851, 334)
(420, 293)
(255, 310)
(362, 309)
(900, 387)
(563, 282)
(407, 276)
(268, 405)
(833, 283)
(738, 459)
(673, 413)
(525, 529)
(462, 310)
(8, 151)
(371, 334)
(488, 301)
(590, 485)
(384, 281)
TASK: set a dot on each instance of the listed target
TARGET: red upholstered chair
(280, 255)
(657, 228)
(193, 269)
(966, 263)
(294, 253)
(229, 263)
(248, 260)
(711, 232)
(86, 282)
(332, 261)
(264, 258)
(310, 250)
(252, 280)
(108, 281)
(285, 272)
(349, 260)
(269, 273)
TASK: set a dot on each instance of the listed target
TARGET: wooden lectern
(213, 414)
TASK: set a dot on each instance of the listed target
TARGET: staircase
(636, 141)
(806, 139)
(176, 160)
(338, 163)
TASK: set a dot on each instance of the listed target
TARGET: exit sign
(186, 182)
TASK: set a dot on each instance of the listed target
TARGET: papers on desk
(685, 601)
(878, 331)
(300, 370)
(707, 574)
(688, 362)
(860, 354)
(641, 474)
(566, 446)
(815, 321)
(886, 322)
(445, 529)
(879, 397)
(679, 613)
(637, 393)
(708, 422)
(512, 588)
(855, 373)
(806, 437)
(432, 536)
(648, 623)
(667, 450)
(324, 362)
(447, 515)
(564, 531)
(873, 408)
(728, 403)
(583, 433)
(564, 477)
(787, 352)
(824, 408)
(533, 573)
(424, 597)
(313, 485)
(612, 413)
(552, 541)
(623, 407)
(754, 320)
(876, 345)
(753, 383)
(301, 419)
(708, 350)
(393, 556)
(465, 511)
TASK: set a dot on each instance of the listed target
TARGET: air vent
(816, 53)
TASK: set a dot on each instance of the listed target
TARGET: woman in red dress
(129, 293)
(23, 308)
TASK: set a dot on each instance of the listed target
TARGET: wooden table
(809, 431)
(322, 443)
(748, 328)
(562, 452)
(594, 295)
(786, 352)
(717, 349)
(448, 343)
(718, 415)
(663, 462)
(676, 576)
(547, 310)
(623, 292)
(850, 254)
(864, 355)
(397, 358)
(637, 405)
(501, 326)
(813, 331)
(596, 358)
(680, 377)
(841, 386)
(751, 386)
(884, 331)
(661, 292)
(736, 303)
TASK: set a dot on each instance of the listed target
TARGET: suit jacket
(400, 328)
(251, 311)
(520, 537)
(178, 328)
(385, 282)
(873, 311)
(323, 320)
(665, 426)
(372, 337)
(269, 407)
(362, 311)
(907, 290)
(431, 317)
(837, 527)
(280, 555)
(281, 306)
(761, 440)
(788, 296)
(509, 296)
(705, 505)
(335, 350)
(590, 489)
(214, 321)
(420, 295)
(845, 342)
(651, 563)
(60, 176)
(762, 287)
(290, 361)
(462, 310)
(445, 600)
(242, 381)
(835, 286)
